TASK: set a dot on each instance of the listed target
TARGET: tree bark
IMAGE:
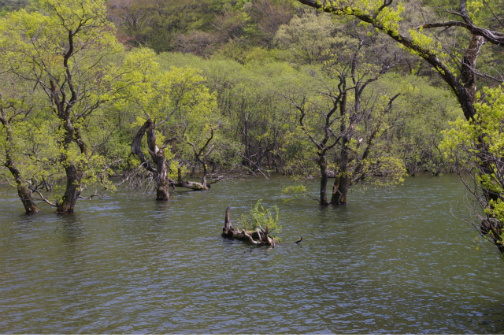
(72, 191)
(324, 177)
(24, 193)
(468, 68)
(74, 171)
(340, 191)
(157, 155)
(342, 181)
(159, 169)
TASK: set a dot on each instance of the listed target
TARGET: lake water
(391, 261)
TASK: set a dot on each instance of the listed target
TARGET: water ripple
(391, 261)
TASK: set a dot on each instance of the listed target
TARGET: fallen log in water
(258, 237)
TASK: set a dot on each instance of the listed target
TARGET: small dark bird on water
(298, 241)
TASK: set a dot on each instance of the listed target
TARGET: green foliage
(28, 137)
(244, 97)
(480, 144)
(62, 54)
(421, 113)
(308, 38)
(201, 27)
(180, 105)
(253, 109)
(461, 143)
(260, 217)
(294, 192)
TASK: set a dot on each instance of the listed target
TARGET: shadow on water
(491, 319)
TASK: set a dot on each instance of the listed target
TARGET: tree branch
(425, 53)
(493, 37)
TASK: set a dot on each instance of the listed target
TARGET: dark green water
(391, 261)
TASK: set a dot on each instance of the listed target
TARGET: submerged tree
(65, 50)
(457, 68)
(12, 112)
(169, 105)
(260, 227)
(343, 119)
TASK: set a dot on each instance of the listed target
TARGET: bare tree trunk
(259, 237)
(341, 183)
(190, 184)
(468, 69)
(163, 190)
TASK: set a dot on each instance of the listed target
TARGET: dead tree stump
(258, 237)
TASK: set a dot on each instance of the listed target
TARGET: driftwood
(195, 186)
(258, 237)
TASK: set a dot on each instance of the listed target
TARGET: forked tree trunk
(74, 170)
(340, 190)
(157, 155)
(160, 170)
(72, 191)
(342, 181)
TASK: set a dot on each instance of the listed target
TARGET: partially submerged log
(195, 186)
(257, 237)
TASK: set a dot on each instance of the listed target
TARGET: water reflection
(70, 230)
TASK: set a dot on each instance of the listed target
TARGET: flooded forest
(251, 166)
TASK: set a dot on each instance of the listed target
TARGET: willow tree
(167, 105)
(458, 68)
(14, 112)
(65, 50)
(342, 118)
